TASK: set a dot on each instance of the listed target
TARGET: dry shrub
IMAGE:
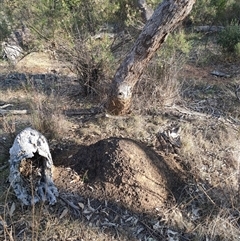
(211, 149)
(214, 226)
(8, 132)
(159, 87)
(223, 226)
(90, 62)
(47, 114)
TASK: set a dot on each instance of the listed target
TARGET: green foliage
(4, 26)
(100, 50)
(51, 19)
(229, 38)
(237, 49)
(220, 5)
(153, 3)
(89, 16)
(218, 12)
(202, 12)
(176, 45)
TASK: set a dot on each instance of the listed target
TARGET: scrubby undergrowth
(107, 183)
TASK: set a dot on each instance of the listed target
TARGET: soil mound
(119, 170)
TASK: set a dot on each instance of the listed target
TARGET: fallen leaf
(89, 206)
(140, 230)
(81, 205)
(129, 219)
(12, 209)
(64, 213)
(87, 211)
(88, 217)
(109, 224)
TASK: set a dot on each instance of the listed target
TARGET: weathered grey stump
(31, 168)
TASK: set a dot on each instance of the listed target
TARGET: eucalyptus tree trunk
(165, 19)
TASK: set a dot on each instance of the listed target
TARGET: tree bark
(165, 19)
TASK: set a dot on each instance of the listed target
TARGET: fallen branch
(208, 28)
(185, 111)
(5, 106)
(71, 204)
(13, 112)
(90, 111)
(220, 74)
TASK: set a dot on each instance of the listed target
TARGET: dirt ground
(116, 172)
(125, 171)
(119, 170)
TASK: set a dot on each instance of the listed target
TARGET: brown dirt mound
(119, 170)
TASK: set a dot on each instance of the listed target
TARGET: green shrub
(214, 12)
(178, 42)
(4, 26)
(229, 38)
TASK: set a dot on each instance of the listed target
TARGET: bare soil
(120, 170)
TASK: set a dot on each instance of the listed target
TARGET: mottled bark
(31, 168)
(165, 19)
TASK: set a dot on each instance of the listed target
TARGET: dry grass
(159, 87)
(47, 115)
(43, 223)
(209, 148)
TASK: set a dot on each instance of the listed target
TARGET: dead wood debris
(108, 217)
(13, 112)
(220, 74)
(31, 168)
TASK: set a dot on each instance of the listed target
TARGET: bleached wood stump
(31, 168)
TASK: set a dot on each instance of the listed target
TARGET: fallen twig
(69, 203)
(5, 106)
(220, 74)
(188, 112)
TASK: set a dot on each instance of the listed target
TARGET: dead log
(31, 168)
(220, 74)
(13, 112)
(208, 28)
